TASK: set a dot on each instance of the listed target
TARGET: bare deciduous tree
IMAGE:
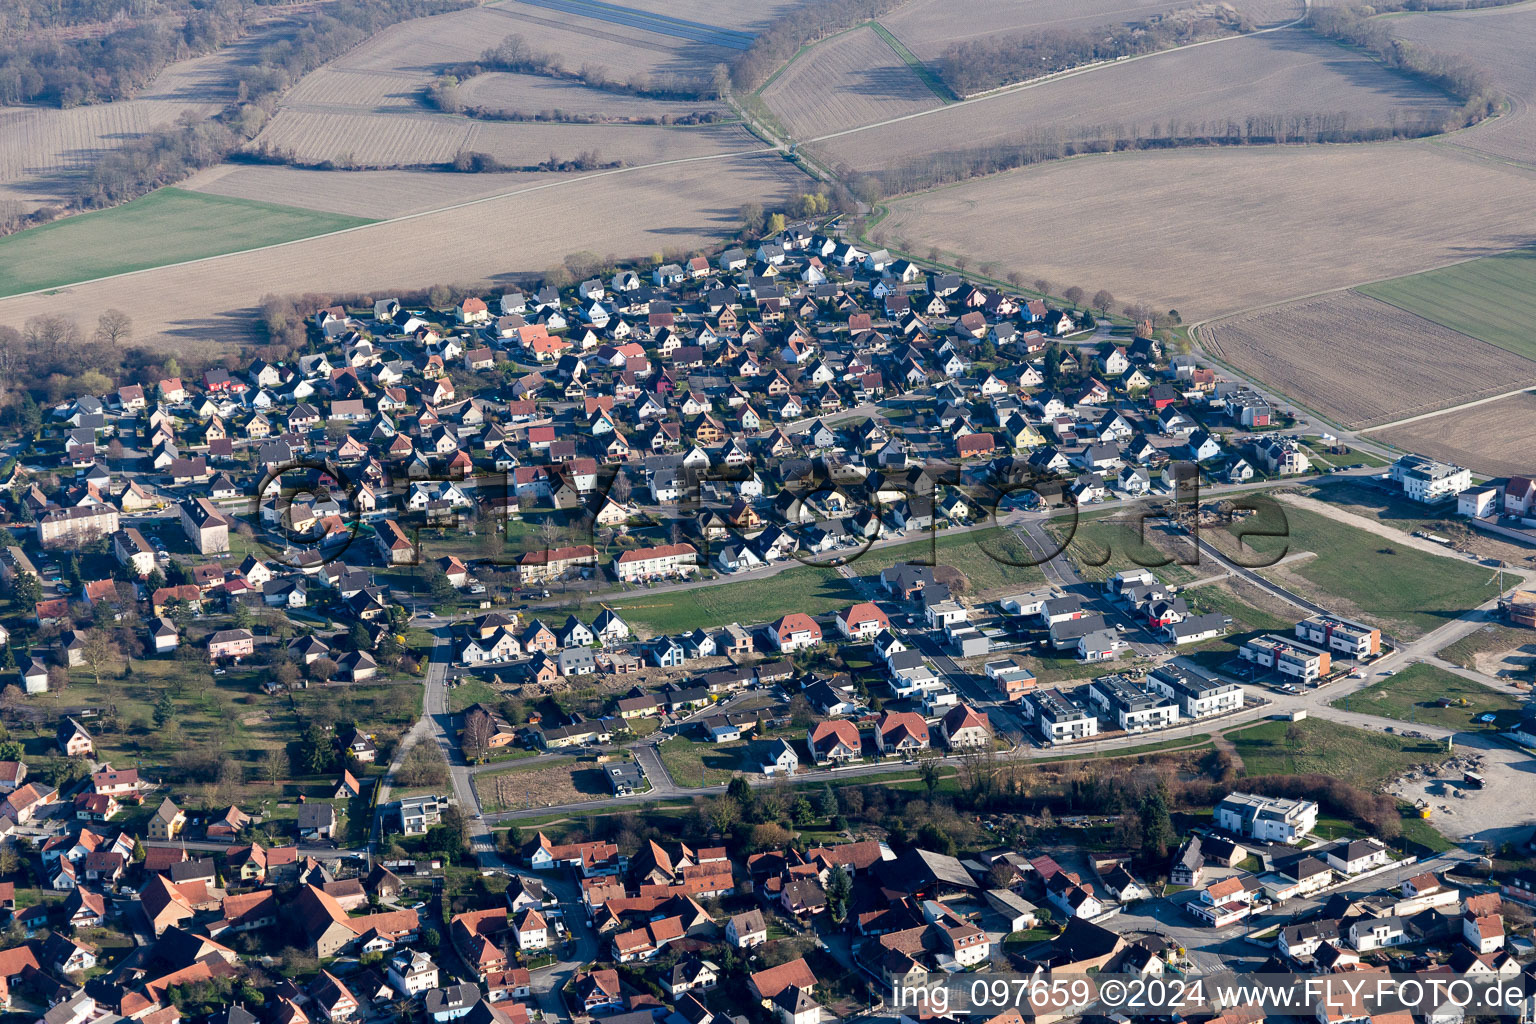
(114, 327)
(478, 730)
(99, 649)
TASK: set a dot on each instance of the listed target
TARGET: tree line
(784, 35)
(516, 55)
(444, 94)
(995, 61)
(465, 161)
(159, 158)
(67, 72)
(1039, 145)
(1449, 73)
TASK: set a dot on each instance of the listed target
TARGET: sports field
(164, 227)
(1493, 298)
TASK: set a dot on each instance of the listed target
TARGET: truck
(1473, 780)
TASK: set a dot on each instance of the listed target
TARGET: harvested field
(531, 94)
(650, 21)
(852, 79)
(1209, 232)
(1199, 90)
(1500, 42)
(408, 140)
(1493, 438)
(1319, 350)
(928, 27)
(45, 149)
(376, 194)
(496, 240)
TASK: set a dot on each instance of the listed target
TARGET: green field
(1101, 546)
(1411, 696)
(985, 557)
(1365, 759)
(168, 226)
(1493, 298)
(1405, 589)
(807, 588)
(702, 764)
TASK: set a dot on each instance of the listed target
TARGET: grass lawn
(993, 559)
(1418, 830)
(1217, 597)
(702, 764)
(1366, 759)
(1490, 639)
(471, 691)
(216, 719)
(1191, 743)
(806, 588)
(1102, 546)
(1356, 457)
(1051, 668)
(1409, 591)
(1015, 941)
(1411, 695)
(643, 726)
(167, 226)
(1493, 298)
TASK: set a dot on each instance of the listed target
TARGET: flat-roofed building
(1353, 639)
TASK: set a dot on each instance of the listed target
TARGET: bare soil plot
(42, 150)
(626, 213)
(414, 139)
(1198, 90)
(519, 788)
(1210, 232)
(1358, 360)
(531, 94)
(851, 80)
(377, 194)
(1493, 438)
(1501, 43)
(928, 27)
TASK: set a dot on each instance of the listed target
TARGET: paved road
(436, 726)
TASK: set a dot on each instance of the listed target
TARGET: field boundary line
(917, 66)
(63, 288)
(1036, 83)
(1455, 408)
(808, 47)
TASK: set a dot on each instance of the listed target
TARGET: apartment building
(1428, 480)
(1197, 697)
(1298, 661)
(1267, 818)
(1352, 639)
(1131, 707)
(665, 560)
(1060, 718)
